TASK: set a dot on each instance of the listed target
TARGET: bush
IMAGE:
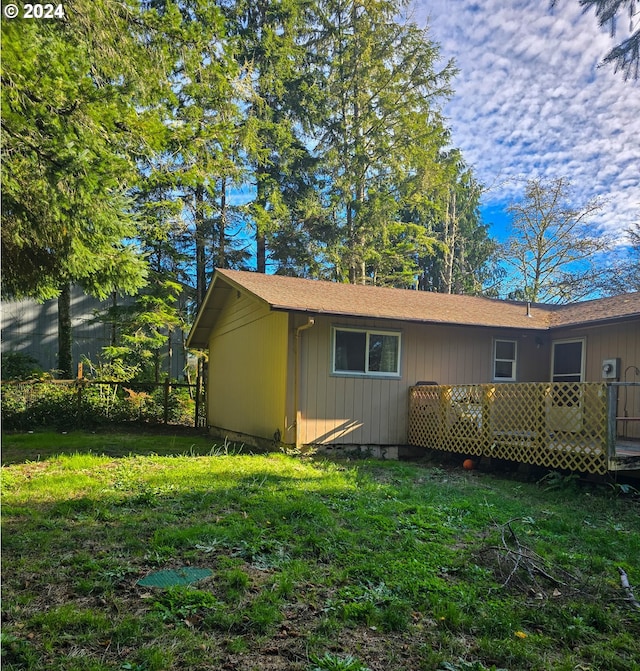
(181, 405)
(19, 366)
(33, 405)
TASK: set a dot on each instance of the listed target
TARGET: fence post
(612, 411)
(198, 400)
(167, 389)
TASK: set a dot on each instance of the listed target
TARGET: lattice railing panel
(557, 425)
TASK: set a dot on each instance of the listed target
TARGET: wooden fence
(556, 425)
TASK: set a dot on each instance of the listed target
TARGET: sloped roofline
(320, 297)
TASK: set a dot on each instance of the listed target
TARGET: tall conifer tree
(382, 89)
(73, 124)
(278, 105)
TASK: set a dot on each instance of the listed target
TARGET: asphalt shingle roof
(332, 298)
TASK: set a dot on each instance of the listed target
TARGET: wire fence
(83, 403)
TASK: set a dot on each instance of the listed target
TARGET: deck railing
(556, 425)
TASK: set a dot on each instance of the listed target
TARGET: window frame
(368, 331)
(583, 359)
(514, 361)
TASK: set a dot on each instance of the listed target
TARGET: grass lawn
(311, 564)
(161, 440)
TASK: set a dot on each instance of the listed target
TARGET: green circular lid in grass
(173, 577)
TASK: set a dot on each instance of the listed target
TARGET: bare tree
(552, 246)
(623, 275)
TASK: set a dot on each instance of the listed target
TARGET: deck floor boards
(627, 455)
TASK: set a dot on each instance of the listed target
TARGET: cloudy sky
(531, 101)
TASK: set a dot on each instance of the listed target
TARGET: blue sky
(531, 101)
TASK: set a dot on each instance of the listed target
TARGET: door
(564, 412)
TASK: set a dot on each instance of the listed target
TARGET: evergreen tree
(278, 106)
(381, 127)
(626, 55)
(200, 160)
(465, 259)
(72, 127)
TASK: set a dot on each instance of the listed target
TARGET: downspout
(296, 383)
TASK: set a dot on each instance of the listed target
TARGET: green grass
(38, 445)
(315, 564)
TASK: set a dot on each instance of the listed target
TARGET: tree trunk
(451, 224)
(261, 254)
(65, 358)
(222, 262)
(201, 273)
(261, 243)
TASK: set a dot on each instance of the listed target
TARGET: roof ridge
(509, 301)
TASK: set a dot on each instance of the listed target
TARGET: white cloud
(530, 100)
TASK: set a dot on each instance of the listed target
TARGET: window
(360, 352)
(568, 361)
(504, 360)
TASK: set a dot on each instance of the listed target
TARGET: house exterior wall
(261, 376)
(31, 328)
(248, 361)
(606, 342)
(611, 341)
(354, 410)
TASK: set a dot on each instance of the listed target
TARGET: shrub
(19, 366)
(32, 405)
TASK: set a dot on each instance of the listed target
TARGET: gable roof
(316, 297)
(597, 310)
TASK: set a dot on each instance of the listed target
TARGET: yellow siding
(248, 368)
(252, 371)
(368, 411)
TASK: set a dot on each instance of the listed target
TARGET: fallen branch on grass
(627, 588)
(517, 562)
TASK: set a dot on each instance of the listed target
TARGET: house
(307, 362)
(31, 328)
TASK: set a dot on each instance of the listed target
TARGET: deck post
(488, 397)
(445, 396)
(612, 411)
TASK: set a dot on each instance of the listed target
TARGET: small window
(360, 352)
(568, 361)
(504, 360)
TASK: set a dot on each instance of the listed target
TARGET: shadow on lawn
(114, 441)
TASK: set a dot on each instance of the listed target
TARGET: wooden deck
(564, 426)
(627, 457)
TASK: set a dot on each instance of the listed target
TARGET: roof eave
(604, 321)
(412, 320)
(198, 337)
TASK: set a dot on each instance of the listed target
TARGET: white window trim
(583, 354)
(514, 361)
(369, 374)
